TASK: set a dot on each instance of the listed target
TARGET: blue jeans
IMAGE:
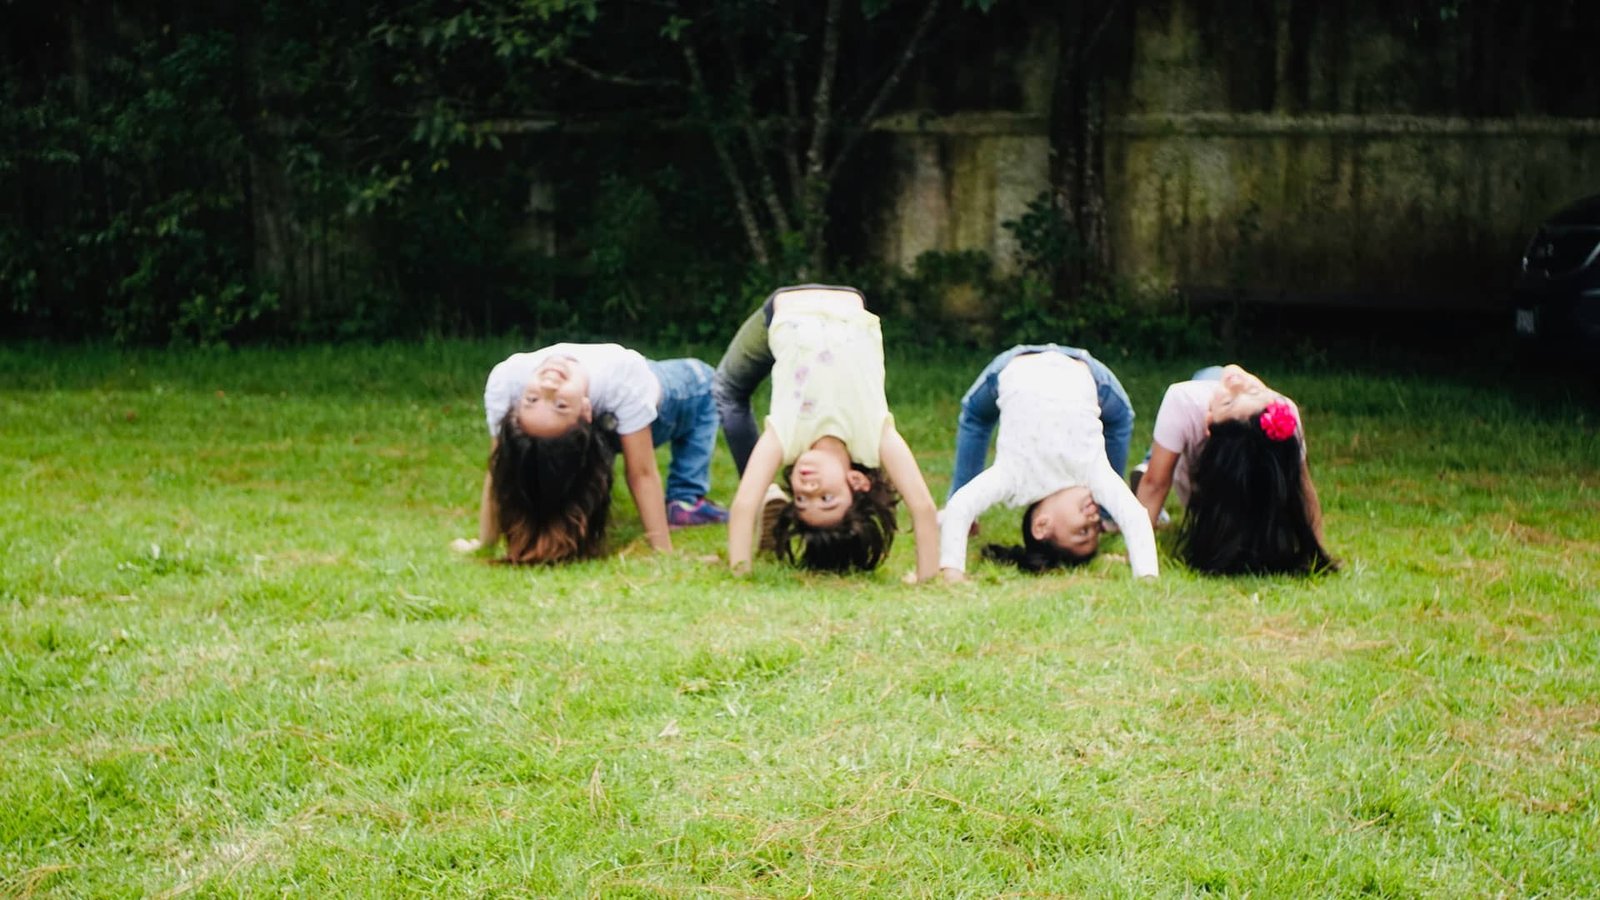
(687, 417)
(980, 412)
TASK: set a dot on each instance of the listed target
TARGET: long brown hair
(554, 494)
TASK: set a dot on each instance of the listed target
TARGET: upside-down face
(555, 399)
(1069, 519)
(1239, 395)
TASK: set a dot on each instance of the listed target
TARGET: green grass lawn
(237, 657)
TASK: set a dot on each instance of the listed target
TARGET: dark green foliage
(335, 169)
(131, 210)
(317, 169)
(1018, 306)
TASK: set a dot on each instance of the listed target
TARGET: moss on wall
(1429, 209)
(1291, 148)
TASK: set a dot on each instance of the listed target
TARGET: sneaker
(771, 506)
(683, 514)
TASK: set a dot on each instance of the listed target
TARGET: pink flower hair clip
(1278, 421)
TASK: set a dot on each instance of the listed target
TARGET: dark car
(1557, 297)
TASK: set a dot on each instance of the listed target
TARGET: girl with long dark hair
(1233, 450)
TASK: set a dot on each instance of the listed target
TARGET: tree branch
(741, 199)
(1100, 29)
(756, 146)
(813, 199)
(623, 80)
(822, 99)
(791, 97)
(912, 47)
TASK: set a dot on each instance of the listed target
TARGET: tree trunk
(719, 144)
(266, 189)
(1077, 145)
(814, 189)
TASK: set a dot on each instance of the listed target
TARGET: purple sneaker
(683, 514)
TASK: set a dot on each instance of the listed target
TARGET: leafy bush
(1020, 306)
(129, 219)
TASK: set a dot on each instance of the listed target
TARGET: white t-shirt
(1181, 427)
(1050, 438)
(620, 383)
(827, 377)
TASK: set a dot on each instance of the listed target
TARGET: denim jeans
(686, 417)
(980, 412)
(745, 364)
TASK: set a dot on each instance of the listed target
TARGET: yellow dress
(827, 377)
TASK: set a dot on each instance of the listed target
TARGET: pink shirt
(1181, 428)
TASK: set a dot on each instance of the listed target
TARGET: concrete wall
(1330, 160)
(958, 179)
(1361, 209)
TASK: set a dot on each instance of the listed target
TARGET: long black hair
(1035, 555)
(1248, 511)
(554, 494)
(860, 541)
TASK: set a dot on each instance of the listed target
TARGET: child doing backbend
(1050, 458)
(830, 426)
(980, 412)
(1234, 452)
(557, 417)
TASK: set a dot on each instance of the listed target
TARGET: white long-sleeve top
(1050, 439)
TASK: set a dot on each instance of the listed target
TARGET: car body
(1556, 300)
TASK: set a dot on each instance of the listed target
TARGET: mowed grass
(237, 658)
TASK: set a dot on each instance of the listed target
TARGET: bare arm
(1157, 480)
(644, 483)
(765, 459)
(488, 515)
(901, 468)
(1313, 505)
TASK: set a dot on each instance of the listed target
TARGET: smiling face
(1239, 395)
(823, 486)
(555, 399)
(1069, 519)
